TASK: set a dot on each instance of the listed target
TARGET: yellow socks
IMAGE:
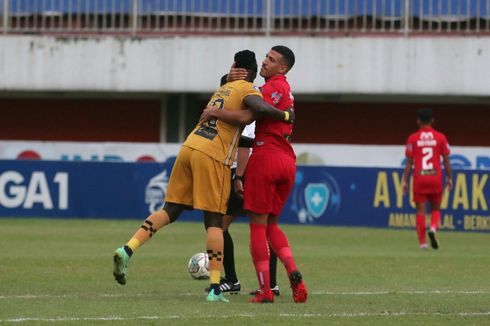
(214, 247)
(150, 226)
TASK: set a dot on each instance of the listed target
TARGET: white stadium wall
(350, 65)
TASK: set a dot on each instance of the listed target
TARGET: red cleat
(261, 297)
(300, 293)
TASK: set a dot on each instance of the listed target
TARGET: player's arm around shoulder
(240, 117)
(258, 105)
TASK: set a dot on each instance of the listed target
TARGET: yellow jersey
(219, 139)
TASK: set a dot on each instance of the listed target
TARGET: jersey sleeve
(445, 149)
(409, 148)
(247, 89)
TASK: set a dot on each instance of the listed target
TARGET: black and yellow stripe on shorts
(215, 255)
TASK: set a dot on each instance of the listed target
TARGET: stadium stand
(246, 16)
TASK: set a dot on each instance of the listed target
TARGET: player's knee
(213, 220)
(173, 211)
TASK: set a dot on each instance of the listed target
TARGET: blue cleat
(216, 297)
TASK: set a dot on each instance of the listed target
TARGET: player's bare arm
(242, 160)
(449, 173)
(258, 105)
(241, 117)
(406, 173)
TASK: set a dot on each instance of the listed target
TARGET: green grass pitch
(60, 272)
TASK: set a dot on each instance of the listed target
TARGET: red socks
(435, 219)
(260, 255)
(280, 245)
(420, 226)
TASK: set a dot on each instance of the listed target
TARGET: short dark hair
(286, 53)
(246, 59)
(425, 115)
(223, 80)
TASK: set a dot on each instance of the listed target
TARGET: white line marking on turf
(131, 295)
(399, 292)
(214, 317)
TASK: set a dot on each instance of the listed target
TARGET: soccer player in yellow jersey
(201, 173)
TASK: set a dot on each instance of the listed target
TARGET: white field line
(353, 293)
(251, 316)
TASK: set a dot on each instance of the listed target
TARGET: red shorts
(269, 178)
(435, 197)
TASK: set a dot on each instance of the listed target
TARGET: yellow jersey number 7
(209, 129)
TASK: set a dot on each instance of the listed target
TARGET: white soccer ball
(199, 266)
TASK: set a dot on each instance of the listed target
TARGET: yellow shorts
(199, 181)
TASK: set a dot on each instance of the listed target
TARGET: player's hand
(404, 187)
(209, 113)
(238, 187)
(236, 73)
(290, 116)
(449, 184)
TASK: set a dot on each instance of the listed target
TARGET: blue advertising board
(336, 196)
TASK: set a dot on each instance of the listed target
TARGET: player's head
(278, 61)
(246, 59)
(223, 80)
(425, 116)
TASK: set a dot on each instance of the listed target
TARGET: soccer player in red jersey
(424, 151)
(270, 172)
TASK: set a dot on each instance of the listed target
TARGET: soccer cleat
(274, 290)
(423, 246)
(300, 294)
(121, 260)
(212, 297)
(261, 297)
(227, 287)
(433, 240)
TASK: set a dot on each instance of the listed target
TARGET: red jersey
(272, 134)
(425, 147)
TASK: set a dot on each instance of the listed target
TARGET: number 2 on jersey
(428, 154)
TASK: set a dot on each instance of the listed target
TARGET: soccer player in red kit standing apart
(424, 150)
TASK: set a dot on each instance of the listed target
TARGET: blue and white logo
(316, 198)
(155, 191)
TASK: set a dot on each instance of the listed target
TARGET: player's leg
(234, 207)
(420, 200)
(259, 249)
(276, 236)
(211, 189)
(273, 271)
(168, 214)
(232, 284)
(257, 200)
(435, 219)
(280, 245)
(214, 247)
(178, 196)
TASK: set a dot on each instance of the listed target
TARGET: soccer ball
(199, 266)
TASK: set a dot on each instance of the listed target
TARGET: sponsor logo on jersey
(276, 97)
